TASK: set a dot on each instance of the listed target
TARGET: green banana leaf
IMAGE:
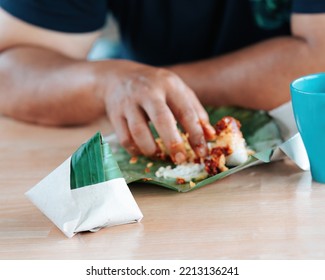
(259, 129)
(93, 163)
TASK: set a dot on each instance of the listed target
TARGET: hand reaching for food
(141, 94)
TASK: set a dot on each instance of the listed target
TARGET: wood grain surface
(271, 211)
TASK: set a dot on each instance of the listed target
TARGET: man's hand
(141, 94)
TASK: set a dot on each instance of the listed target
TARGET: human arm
(258, 76)
(46, 79)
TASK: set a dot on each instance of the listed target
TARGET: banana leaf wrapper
(260, 132)
(93, 163)
(86, 192)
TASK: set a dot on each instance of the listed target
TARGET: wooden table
(272, 211)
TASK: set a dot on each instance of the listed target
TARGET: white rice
(239, 154)
(187, 171)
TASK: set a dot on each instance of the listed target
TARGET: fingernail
(177, 152)
(179, 158)
(210, 128)
(209, 131)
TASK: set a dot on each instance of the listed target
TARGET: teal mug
(308, 102)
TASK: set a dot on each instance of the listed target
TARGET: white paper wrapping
(84, 209)
(292, 146)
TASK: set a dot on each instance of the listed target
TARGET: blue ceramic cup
(308, 102)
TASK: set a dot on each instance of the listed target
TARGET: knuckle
(161, 72)
(161, 125)
(187, 114)
(137, 129)
(196, 137)
(168, 76)
(141, 85)
(161, 116)
(174, 81)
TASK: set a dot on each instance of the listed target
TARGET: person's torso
(163, 32)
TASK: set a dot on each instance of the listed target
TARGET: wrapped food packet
(86, 192)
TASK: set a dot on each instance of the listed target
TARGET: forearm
(255, 77)
(42, 86)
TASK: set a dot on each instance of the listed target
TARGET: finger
(208, 129)
(124, 136)
(165, 124)
(187, 115)
(140, 132)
